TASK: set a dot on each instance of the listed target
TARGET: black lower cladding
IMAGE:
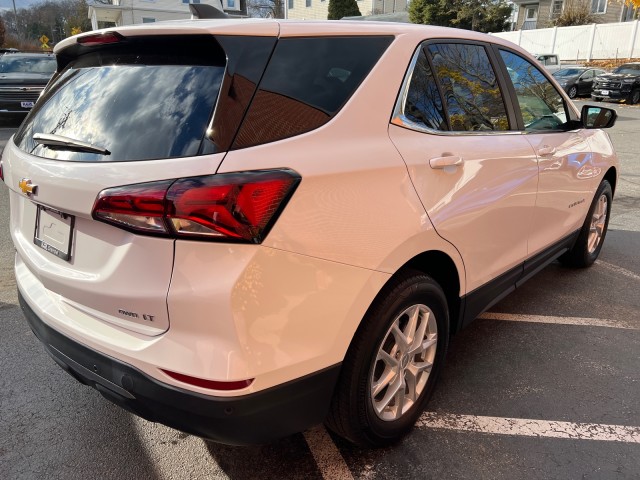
(249, 419)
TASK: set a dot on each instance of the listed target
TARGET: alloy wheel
(403, 363)
(598, 222)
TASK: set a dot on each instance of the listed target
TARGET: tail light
(100, 38)
(226, 207)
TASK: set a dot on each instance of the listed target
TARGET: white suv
(243, 228)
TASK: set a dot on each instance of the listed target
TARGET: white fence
(585, 42)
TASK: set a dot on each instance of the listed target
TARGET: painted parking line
(327, 456)
(530, 428)
(591, 322)
(617, 269)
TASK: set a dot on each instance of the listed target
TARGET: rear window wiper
(65, 143)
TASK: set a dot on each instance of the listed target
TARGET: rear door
(144, 106)
(476, 178)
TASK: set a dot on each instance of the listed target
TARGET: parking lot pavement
(546, 385)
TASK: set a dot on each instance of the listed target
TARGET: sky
(8, 5)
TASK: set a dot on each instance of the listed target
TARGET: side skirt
(484, 297)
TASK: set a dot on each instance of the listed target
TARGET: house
(542, 13)
(319, 9)
(105, 13)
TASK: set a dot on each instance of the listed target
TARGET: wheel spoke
(392, 391)
(383, 382)
(390, 360)
(399, 400)
(400, 337)
(419, 336)
(412, 325)
(411, 379)
(424, 345)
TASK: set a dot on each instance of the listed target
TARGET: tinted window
(136, 105)
(307, 81)
(541, 105)
(629, 69)
(587, 75)
(423, 104)
(471, 94)
(27, 64)
(567, 72)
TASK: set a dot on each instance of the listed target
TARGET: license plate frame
(54, 231)
(27, 104)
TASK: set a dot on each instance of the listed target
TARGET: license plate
(26, 104)
(604, 92)
(54, 232)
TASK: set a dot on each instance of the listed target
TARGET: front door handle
(546, 151)
(443, 162)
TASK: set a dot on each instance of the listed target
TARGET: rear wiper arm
(65, 143)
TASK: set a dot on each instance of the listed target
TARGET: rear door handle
(439, 163)
(546, 151)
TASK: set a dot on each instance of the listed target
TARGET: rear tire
(591, 237)
(634, 97)
(393, 362)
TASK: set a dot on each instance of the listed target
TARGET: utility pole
(15, 15)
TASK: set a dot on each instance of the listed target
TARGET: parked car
(274, 224)
(621, 84)
(577, 80)
(23, 77)
(551, 61)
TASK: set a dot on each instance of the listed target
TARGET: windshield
(567, 72)
(628, 69)
(20, 64)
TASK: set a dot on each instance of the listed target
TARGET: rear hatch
(120, 111)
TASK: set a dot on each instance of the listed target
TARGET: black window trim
(398, 118)
(571, 115)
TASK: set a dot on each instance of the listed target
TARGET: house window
(598, 6)
(148, 20)
(628, 13)
(190, 1)
(531, 13)
(556, 7)
(290, 4)
(308, 3)
(231, 4)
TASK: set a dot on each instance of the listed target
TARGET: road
(545, 386)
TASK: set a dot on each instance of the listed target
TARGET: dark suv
(622, 84)
(23, 76)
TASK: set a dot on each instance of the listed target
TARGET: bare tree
(266, 8)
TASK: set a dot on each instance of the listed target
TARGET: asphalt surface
(52, 427)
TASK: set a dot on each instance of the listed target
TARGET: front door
(477, 179)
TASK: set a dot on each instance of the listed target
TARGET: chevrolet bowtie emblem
(27, 187)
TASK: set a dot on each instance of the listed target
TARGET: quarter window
(423, 104)
(469, 87)
(541, 105)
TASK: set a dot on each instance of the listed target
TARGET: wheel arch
(612, 177)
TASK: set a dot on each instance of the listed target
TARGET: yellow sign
(44, 40)
(76, 30)
(45, 46)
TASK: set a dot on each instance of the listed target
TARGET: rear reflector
(225, 207)
(210, 384)
(100, 38)
(1, 171)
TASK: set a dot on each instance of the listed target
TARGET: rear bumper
(249, 419)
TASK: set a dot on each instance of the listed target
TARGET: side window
(471, 94)
(588, 75)
(541, 105)
(423, 104)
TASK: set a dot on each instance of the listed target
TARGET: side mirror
(597, 117)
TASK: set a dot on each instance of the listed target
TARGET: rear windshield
(27, 64)
(136, 103)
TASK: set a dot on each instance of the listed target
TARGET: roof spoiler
(202, 10)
